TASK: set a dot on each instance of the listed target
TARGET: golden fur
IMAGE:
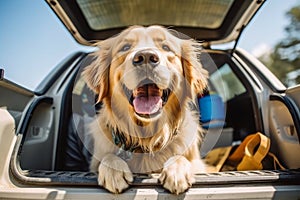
(144, 63)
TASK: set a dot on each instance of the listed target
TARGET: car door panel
(294, 93)
(285, 126)
(33, 121)
(37, 129)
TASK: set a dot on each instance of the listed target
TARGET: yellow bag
(252, 154)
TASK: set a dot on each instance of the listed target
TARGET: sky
(267, 27)
(33, 41)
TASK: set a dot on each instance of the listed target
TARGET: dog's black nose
(145, 57)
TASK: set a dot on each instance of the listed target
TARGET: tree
(286, 55)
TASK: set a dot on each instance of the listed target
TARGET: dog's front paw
(114, 174)
(177, 175)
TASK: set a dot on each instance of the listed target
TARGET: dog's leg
(114, 174)
(177, 175)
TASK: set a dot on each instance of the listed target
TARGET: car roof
(209, 21)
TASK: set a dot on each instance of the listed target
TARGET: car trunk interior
(52, 149)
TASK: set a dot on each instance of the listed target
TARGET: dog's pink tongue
(147, 105)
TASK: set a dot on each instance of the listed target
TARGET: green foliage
(285, 57)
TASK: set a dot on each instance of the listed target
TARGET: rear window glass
(118, 13)
(226, 83)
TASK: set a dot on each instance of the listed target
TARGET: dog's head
(146, 73)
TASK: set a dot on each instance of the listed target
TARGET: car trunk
(49, 171)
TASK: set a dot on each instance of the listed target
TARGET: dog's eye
(166, 47)
(126, 47)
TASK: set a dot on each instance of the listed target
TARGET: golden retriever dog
(147, 79)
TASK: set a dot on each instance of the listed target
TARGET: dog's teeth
(165, 95)
(127, 92)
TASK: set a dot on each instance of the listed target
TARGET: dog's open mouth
(147, 99)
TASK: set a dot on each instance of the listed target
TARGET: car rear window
(112, 14)
(226, 83)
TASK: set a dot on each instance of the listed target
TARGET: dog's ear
(195, 75)
(96, 74)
